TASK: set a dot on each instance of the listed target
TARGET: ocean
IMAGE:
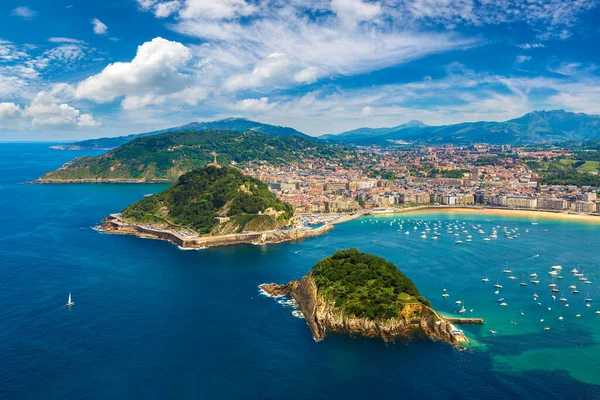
(153, 321)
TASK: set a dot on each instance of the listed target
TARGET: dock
(465, 321)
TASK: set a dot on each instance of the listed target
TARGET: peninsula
(212, 206)
(361, 293)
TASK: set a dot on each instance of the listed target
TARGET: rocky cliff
(322, 316)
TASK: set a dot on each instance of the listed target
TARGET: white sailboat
(70, 303)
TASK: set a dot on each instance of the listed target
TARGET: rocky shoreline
(115, 225)
(323, 317)
(43, 180)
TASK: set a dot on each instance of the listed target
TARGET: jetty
(465, 321)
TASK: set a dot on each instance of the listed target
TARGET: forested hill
(200, 196)
(231, 124)
(364, 285)
(169, 155)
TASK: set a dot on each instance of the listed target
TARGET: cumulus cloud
(45, 112)
(154, 71)
(163, 10)
(353, 11)
(99, 27)
(23, 12)
(9, 110)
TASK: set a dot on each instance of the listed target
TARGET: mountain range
(535, 127)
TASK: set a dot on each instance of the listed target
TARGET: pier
(465, 321)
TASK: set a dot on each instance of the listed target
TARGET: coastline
(115, 225)
(70, 181)
(543, 214)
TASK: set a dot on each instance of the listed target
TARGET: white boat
(485, 280)
(492, 332)
(70, 303)
(588, 299)
(458, 241)
(487, 239)
(458, 302)
(556, 267)
(512, 278)
(503, 304)
(445, 295)
(523, 283)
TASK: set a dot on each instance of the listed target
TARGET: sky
(73, 69)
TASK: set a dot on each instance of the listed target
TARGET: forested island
(356, 292)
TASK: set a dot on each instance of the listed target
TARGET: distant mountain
(229, 124)
(362, 133)
(535, 127)
(167, 156)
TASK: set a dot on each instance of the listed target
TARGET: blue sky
(73, 69)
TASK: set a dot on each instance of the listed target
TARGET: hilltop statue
(214, 163)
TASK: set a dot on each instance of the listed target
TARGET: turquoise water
(153, 321)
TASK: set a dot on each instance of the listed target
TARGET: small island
(361, 293)
(212, 206)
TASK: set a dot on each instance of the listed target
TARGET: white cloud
(254, 105)
(9, 110)
(155, 71)
(527, 46)
(24, 12)
(273, 70)
(99, 27)
(309, 75)
(86, 120)
(163, 10)
(216, 9)
(353, 11)
(65, 40)
(190, 96)
(521, 59)
(10, 52)
(45, 112)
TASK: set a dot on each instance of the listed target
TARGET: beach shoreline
(507, 212)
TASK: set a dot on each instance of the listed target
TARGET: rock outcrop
(322, 316)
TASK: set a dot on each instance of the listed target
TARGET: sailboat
(70, 303)
(523, 280)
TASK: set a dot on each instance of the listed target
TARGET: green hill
(364, 285)
(231, 124)
(196, 200)
(169, 155)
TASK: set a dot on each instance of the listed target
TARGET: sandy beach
(532, 214)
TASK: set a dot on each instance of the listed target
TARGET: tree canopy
(364, 285)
